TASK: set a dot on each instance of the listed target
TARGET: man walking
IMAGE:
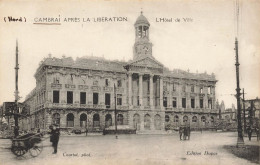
(54, 138)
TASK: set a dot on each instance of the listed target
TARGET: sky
(204, 44)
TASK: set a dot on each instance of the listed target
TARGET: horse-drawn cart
(31, 142)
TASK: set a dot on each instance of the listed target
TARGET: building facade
(148, 96)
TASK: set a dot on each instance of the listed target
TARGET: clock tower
(142, 46)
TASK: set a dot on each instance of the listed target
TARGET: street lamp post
(16, 110)
(115, 111)
(240, 140)
(244, 111)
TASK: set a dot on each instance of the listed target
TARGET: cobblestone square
(203, 148)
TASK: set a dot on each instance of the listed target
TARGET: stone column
(151, 90)
(76, 99)
(179, 95)
(141, 122)
(161, 91)
(130, 89)
(141, 89)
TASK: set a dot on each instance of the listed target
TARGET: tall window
(69, 97)
(201, 103)
(70, 120)
(192, 102)
(56, 96)
(107, 100)
(174, 102)
(95, 98)
(119, 99)
(183, 102)
(82, 97)
(165, 101)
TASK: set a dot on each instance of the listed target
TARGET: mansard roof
(178, 73)
(100, 63)
(93, 63)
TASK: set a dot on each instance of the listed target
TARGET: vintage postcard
(129, 82)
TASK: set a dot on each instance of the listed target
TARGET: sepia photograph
(140, 82)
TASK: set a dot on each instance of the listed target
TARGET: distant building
(80, 93)
(252, 108)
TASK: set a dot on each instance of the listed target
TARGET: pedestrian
(54, 138)
(188, 132)
(185, 132)
(180, 132)
(249, 132)
(257, 133)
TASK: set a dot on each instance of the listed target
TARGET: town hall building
(83, 93)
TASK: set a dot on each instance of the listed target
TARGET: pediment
(147, 62)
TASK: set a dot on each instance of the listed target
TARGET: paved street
(133, 149)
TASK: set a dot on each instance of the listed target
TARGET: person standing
(188, 132)
(257, 133)
(180, 132)
(54, 138)
(185, 132)
(86, 131)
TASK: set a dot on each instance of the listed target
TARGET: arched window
(120, 119)
(167, 118)
(108, 120)
(185, 118)
(96, 121)
(83, 120)
(56, 118)
(147, 122)
(176, 119)
(157, 122)
(203, 119)
(212, 119)
(136, 121)
(70, 120)
(194, 119)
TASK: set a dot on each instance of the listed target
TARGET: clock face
(145, 49)
(142, 49)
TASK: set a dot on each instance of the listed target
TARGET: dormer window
(106, 83)
(201, 89)
(119, 83)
